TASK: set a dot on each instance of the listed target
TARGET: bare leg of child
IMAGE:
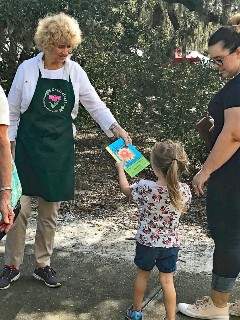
(169, 294)
(140, 286)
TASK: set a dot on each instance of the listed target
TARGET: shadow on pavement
(93, 288)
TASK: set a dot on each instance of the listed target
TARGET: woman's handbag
(204, 127)
(15, 195)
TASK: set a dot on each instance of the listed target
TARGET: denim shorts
(164, 259)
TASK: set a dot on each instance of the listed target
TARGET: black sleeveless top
(227, 97)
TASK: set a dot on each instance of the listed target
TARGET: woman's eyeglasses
(63, 47)
(220, 61)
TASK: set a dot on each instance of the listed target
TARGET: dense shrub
(148, 94)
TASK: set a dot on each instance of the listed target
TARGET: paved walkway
(93, 288)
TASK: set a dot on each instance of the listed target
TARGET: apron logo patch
(54, 100)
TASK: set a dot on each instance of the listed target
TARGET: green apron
(44, 145)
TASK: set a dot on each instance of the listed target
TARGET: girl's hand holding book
(119, 165)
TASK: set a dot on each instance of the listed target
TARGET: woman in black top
(222, 171)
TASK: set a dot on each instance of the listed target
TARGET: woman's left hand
(199, 180)
(119, 132)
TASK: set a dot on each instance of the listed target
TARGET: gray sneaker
(8, 275)
(48, 276)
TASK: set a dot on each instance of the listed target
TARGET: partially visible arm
(123, 182)
(5, 158)
(14, 101)
(5, 175)
(227, 143)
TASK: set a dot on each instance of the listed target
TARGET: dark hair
(229, 35)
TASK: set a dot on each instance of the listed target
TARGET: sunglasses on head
(220, 61)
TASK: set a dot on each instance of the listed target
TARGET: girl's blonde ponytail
(172, 179)
(171, 158)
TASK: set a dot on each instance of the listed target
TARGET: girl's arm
(123, 182)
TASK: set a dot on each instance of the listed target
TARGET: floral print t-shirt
(158, 218)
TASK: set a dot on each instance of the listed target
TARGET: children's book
(134, 161)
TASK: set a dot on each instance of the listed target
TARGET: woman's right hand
(119, 132)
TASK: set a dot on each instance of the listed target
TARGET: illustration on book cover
(134, 161)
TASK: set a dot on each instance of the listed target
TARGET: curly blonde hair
(57, 28)
(235, 21)
(171, 159)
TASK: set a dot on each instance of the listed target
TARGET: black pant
(223, 214)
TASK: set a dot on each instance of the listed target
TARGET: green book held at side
(15, 196)
(16, 188)
(134, 161)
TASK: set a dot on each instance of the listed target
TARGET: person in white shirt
(44, 99)
(5, 166)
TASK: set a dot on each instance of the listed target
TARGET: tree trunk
(226, 9)
(158, 15)
(197, 6)
(172, 15)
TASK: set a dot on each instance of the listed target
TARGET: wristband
(114, 126)
(5, 188)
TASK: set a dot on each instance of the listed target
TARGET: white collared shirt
(4, 109)
(24, 85)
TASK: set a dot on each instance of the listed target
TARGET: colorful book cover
(16, 187)
(134, 161)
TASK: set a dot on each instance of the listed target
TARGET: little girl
(160, 204)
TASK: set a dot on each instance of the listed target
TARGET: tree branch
(192, 5)
(198, 6)
(172, 15)
(157, 16)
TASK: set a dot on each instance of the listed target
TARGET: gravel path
(111, 237)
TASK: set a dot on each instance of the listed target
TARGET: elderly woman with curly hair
(44, 99)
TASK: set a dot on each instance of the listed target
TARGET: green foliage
(147, 94)
(160, 100)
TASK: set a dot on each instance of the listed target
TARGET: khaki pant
(44, 239)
